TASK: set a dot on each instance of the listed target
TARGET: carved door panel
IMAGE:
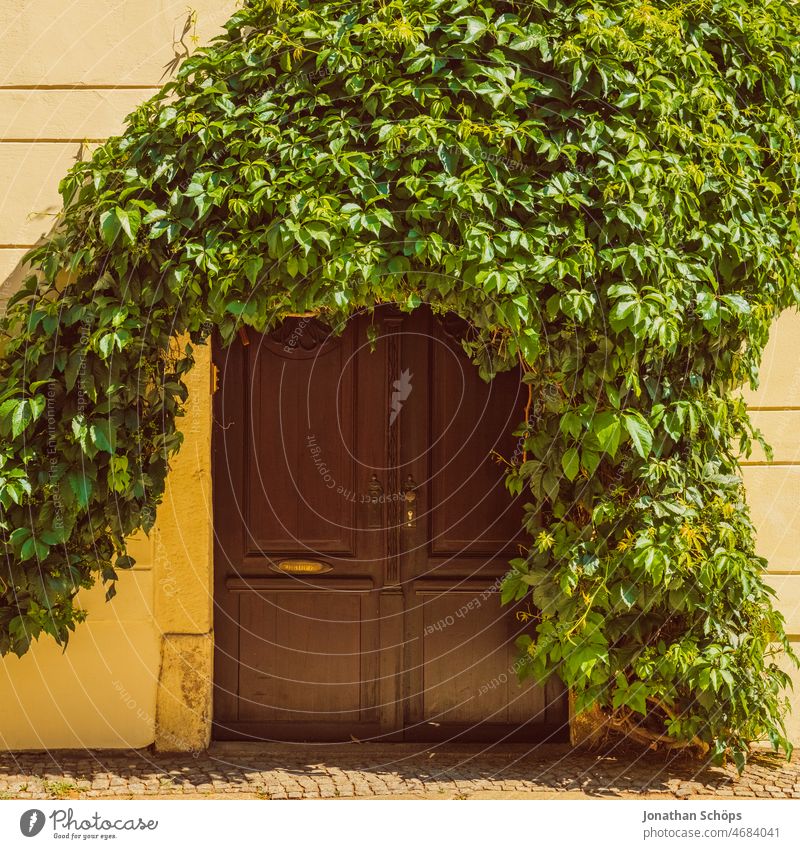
(337, 614)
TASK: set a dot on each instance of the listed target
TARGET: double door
(362, 528)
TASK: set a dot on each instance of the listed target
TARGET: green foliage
(607, 190)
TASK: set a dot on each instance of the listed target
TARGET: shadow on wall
(11, 283)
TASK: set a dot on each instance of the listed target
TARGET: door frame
(181, 551)
(392, 706)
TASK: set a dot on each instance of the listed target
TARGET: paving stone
(304, 772)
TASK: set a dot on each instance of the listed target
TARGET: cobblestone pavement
(283, 771)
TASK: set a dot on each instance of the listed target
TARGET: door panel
(462, 655)
(470, 660)
(318, 441)
(472, 425)
(289, 503)
(303, 658)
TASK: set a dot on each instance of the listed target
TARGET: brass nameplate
(304, 567)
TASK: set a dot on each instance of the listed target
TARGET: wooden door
(323, 443)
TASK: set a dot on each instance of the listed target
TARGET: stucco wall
(139, 671)
(773, 490)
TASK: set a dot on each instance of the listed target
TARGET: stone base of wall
(183, 700)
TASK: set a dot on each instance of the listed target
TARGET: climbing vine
(606, 189)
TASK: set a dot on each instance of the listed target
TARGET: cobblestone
(282, 771)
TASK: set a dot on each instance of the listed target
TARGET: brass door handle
(374, 503)
(410, 503)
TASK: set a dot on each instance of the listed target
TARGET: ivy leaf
(130, 221)
(570, 463)
(6, 412)
(104, 436)
(252, 267)
(448, 157)
(475, 29)
(236, 308)
(523, 43)
(18, 537)
(33, 547)
(160, 227)
(73, 367)
(590, 460)
(21, 418)
(398, 264)
(636, 698)
(319, 232)
(529, 344)
(737, 304)
(571, 423)
(25, 413)
(640, 433)
(52, 536)
(118, 476)
(109, 226)
(154, 215)
(608, 430)
(81, 486)
(627, 98)
(628, 594)
(106, 345)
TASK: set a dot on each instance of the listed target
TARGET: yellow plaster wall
(69, 74)
(773, 490)
(140, 670)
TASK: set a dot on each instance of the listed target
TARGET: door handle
(410, 503)
(374, 503)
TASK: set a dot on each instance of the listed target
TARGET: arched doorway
(362, 527)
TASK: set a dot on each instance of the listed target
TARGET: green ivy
(606, 189)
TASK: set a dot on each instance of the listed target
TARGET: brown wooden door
(322, 445)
